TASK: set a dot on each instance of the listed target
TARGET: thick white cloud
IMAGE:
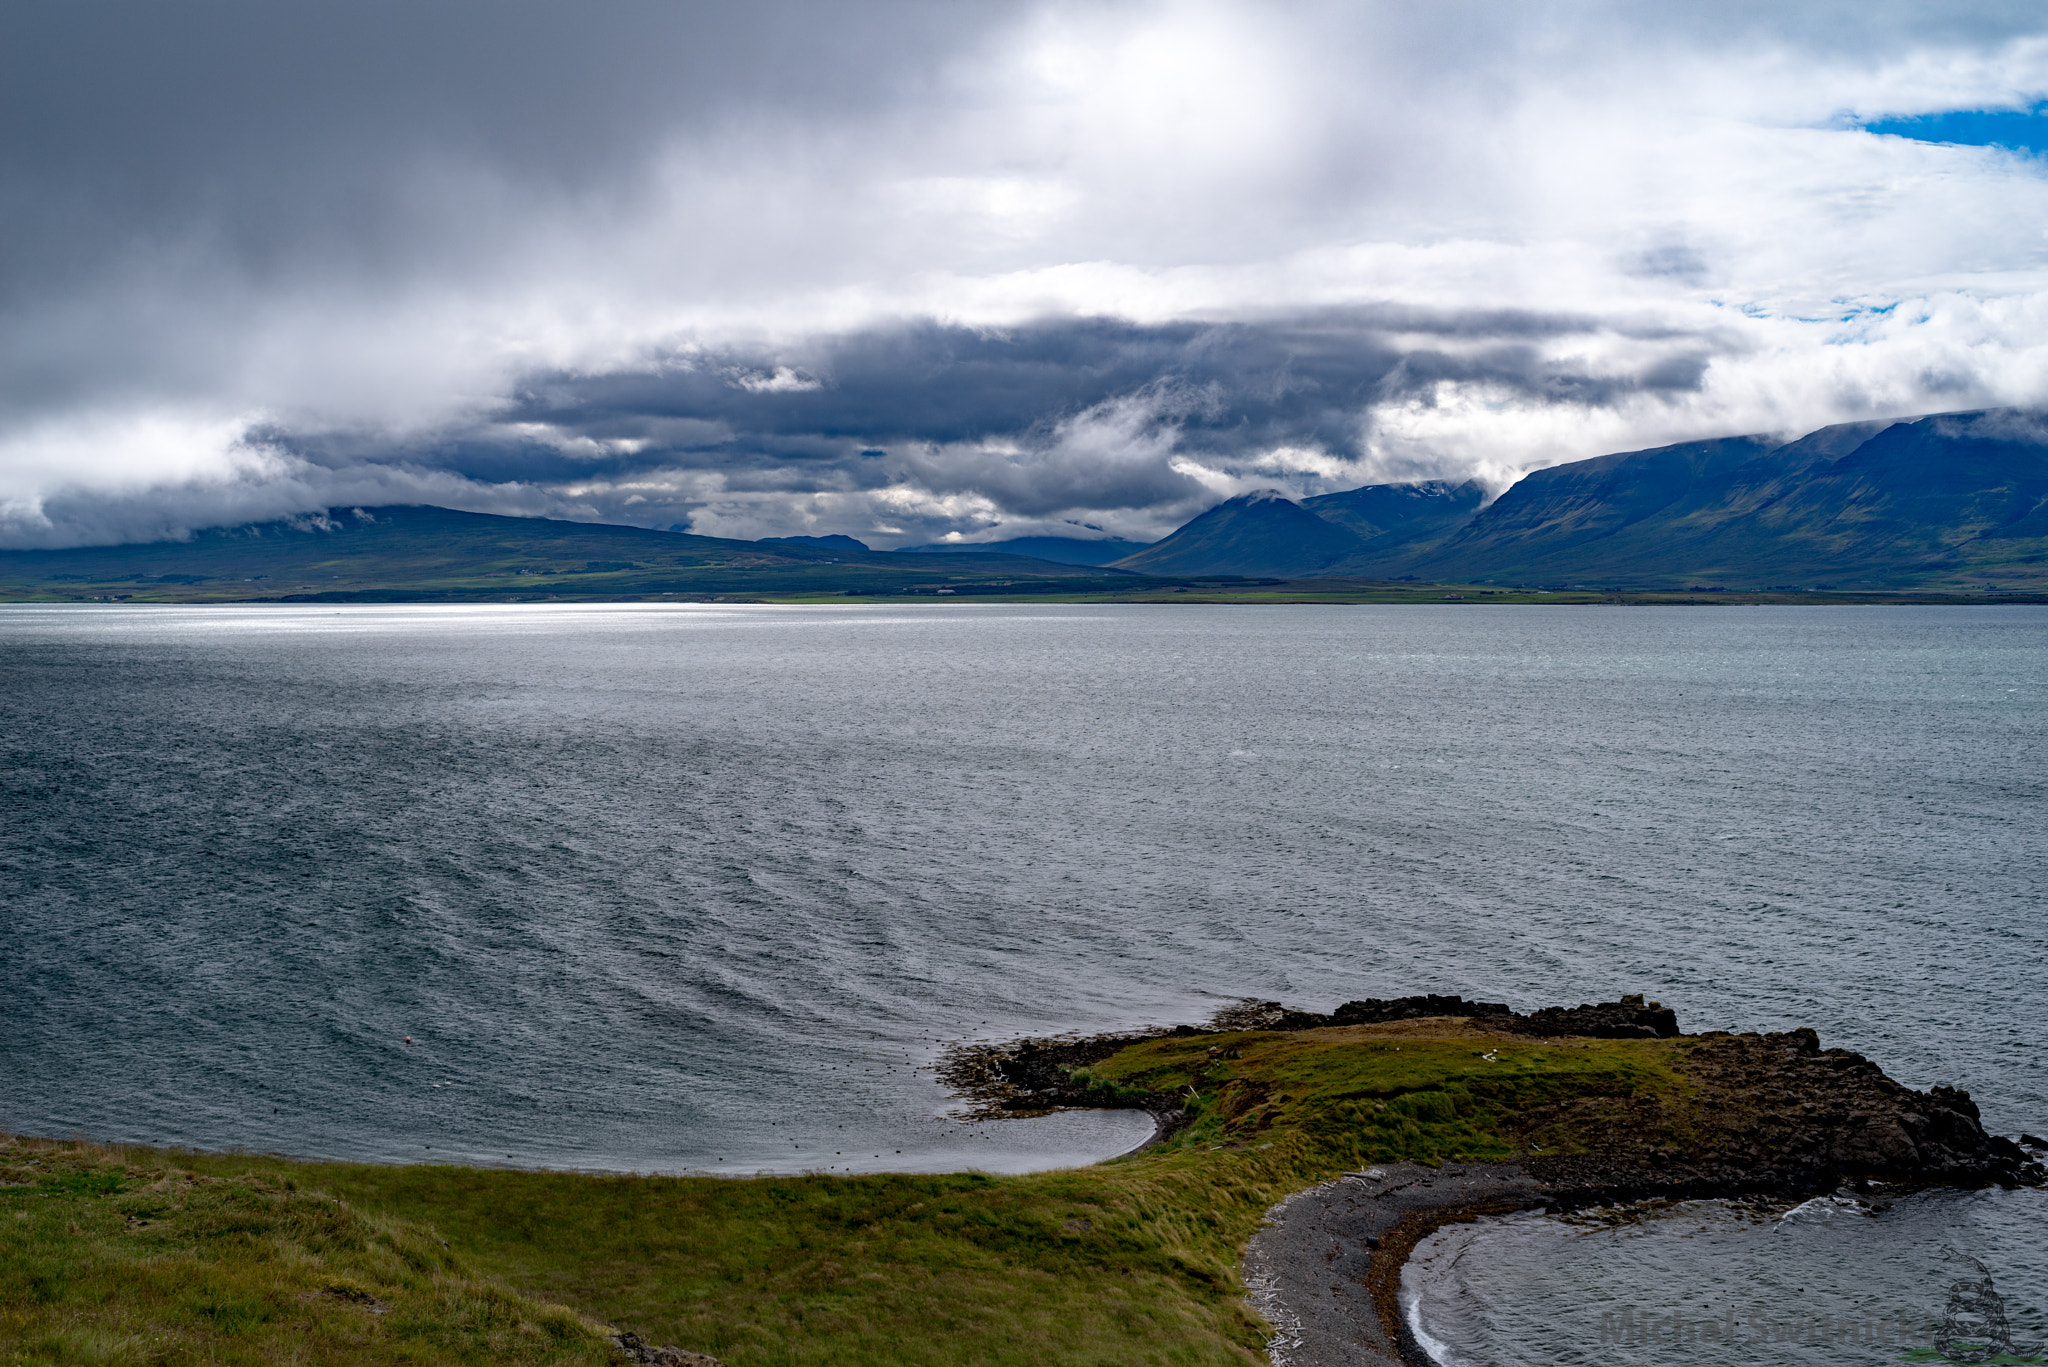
(276, 260)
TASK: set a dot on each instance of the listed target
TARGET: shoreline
(1345, 1309)
(1374, 1221)
(1324, 1268)
(1295, 1160)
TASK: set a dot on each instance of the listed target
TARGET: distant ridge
(1408, 511)
(1260, 533)
(1949, 501)
(1945, 503)
(417, 553)
(1398, 521)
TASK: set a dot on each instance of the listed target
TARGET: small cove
(1836, 1279)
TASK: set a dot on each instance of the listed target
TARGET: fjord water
(704, 887)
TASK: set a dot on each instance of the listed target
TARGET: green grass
(1384, 1099)
(134, 1256)
(108, 1257)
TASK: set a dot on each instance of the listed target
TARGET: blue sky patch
(2022, 130)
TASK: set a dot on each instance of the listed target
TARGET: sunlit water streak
(685, 887)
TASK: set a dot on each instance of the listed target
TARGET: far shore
(1254, 593)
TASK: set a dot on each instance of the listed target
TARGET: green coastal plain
(122, 1255)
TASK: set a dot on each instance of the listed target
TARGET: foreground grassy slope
(110, 1257)
(1129, 1262)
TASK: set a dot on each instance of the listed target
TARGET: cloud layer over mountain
(907, 270)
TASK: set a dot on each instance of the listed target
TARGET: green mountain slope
(1259, 533)
(1943, 501)
(1397, 523)
(1406, 511)
(1567, 506)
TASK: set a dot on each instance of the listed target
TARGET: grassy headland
(133, 1255)
(138, 1256)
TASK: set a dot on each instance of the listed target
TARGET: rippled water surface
(674, 887)
(1836, 1280)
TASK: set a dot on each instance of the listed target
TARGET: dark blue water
(675, 887)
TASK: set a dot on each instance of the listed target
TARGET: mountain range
(1265, 532)
(1949, 501)
(1943, 503)
(403, 552)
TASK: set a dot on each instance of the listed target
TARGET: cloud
(923, 429)
(1053, 262)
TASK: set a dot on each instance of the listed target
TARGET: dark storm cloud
(273, 128)
(993, 412)
(214, 203)
(930, 383)
(1228, 387)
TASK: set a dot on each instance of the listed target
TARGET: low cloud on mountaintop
(908, 269)
(1079, 420)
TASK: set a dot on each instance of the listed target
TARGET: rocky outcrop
(1628, 1018)
(1373, 1011)
(637, 1349)
(1772, 1111)
(1034, 1077)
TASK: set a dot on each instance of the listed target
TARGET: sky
(929, 271)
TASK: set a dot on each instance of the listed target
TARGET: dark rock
(1956, 1099)
(1629, 1018)
(1773, 1112)
(1371, 1011)
(637, 1349)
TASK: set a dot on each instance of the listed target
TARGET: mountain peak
(1262, 532)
